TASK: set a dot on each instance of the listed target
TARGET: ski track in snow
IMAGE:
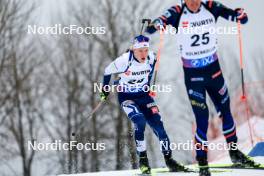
(228, 172)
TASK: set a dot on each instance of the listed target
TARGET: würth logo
(202, 23)
(185, 24)
(140, 72)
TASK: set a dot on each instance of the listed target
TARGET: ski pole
(243, 97)
(158, 55)
(90, 115)
(158, 60)
(241, 60)
(95, 109)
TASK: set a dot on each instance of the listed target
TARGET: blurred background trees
(47, 87)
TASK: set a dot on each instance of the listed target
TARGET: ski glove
(241, 15)
(103, 95)
(154, 26)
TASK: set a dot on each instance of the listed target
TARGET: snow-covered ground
(216, 172)
(244, 140)
(222, 157)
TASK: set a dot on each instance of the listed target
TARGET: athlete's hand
(241, 15)
(157, 24)
(103, 95)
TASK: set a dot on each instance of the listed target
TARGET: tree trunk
(131, 146)
(119, 146)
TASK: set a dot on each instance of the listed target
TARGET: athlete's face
(193, 5)
(141, 54)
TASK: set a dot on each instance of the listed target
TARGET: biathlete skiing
(135, 69)
(202, 71)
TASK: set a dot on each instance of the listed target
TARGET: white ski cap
(141, 41)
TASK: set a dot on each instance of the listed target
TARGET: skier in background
(135, 69)
(202, 71)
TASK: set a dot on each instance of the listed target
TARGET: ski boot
(204, 168)
(241, 160)
(173, 165)
(144, 164)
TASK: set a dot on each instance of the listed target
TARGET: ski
(232, 166)
(166, 170)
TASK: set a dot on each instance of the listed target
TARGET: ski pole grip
(146, 20)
